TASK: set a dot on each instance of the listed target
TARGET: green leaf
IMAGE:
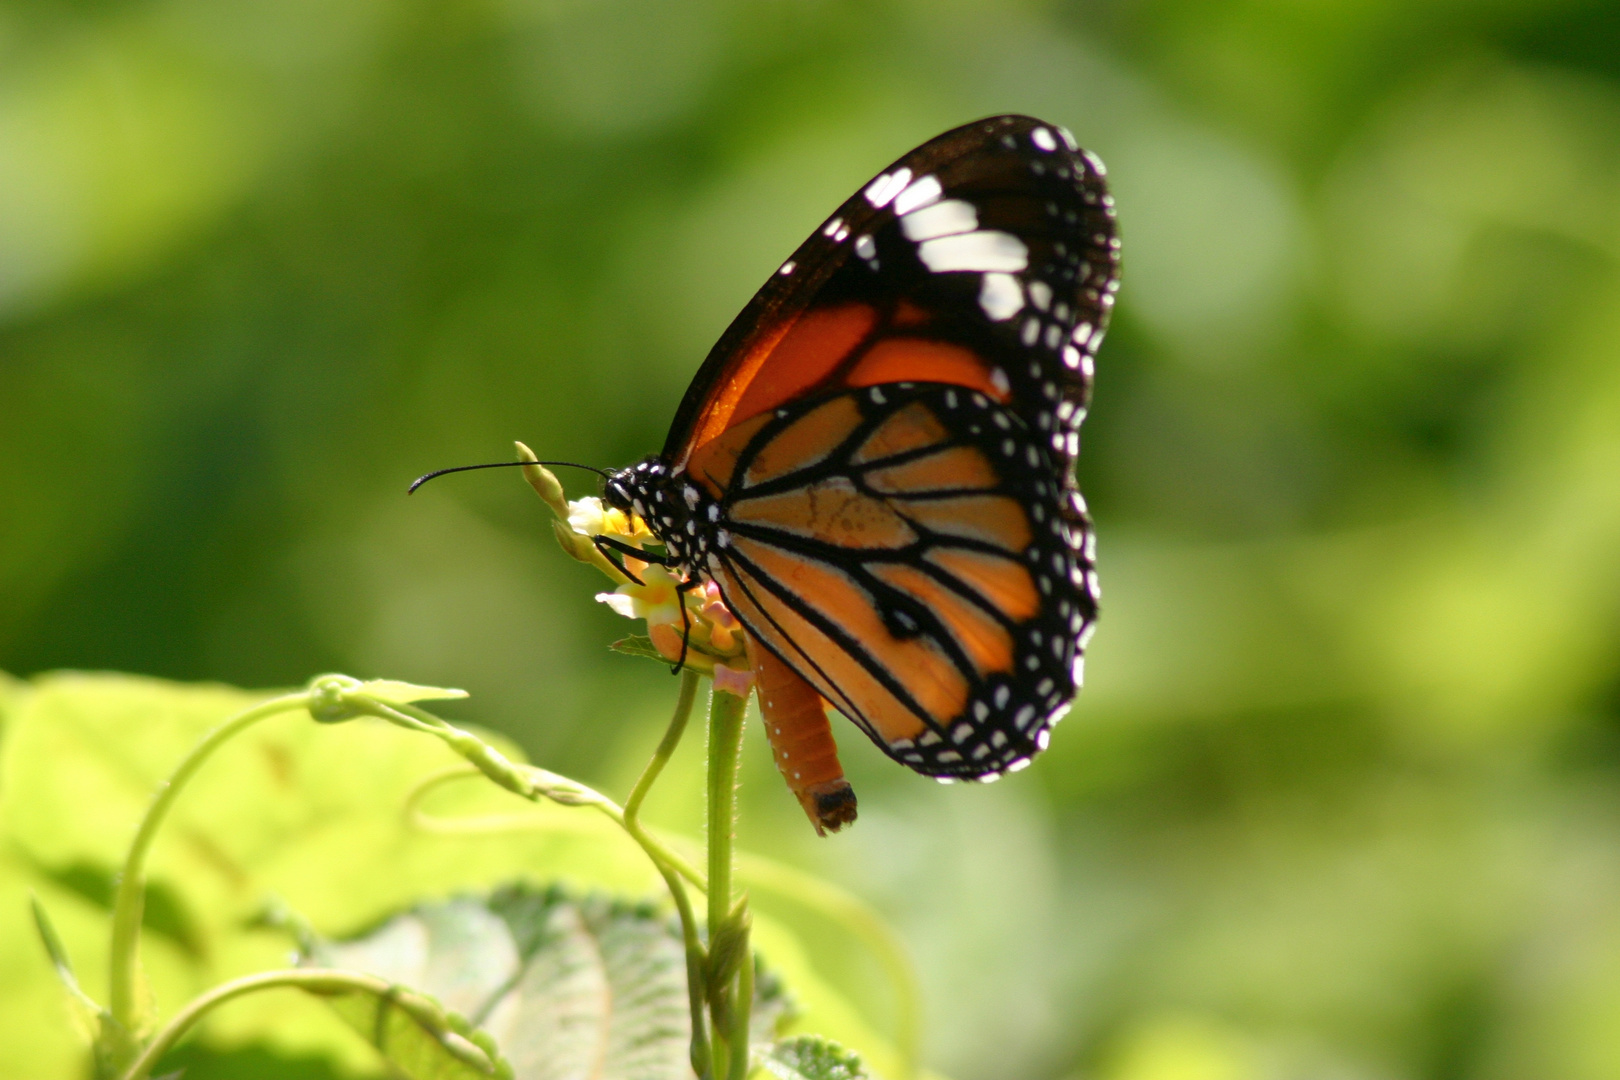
(421, 1039)
(564, 986)
(810, 1057)
(307, 812)
(639, 645)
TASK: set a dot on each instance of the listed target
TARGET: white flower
(591, 518)
(657, 600)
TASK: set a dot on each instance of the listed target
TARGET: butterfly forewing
(987, 254)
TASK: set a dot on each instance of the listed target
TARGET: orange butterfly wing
(898, 567)
(875, 460)
(933, 271)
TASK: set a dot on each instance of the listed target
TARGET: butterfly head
(625, 489)
(675, 510)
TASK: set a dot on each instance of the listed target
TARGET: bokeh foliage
(293, 829)
(1342, 796)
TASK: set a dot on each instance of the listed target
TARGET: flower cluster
(714, 641)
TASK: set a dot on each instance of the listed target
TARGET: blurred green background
(1341, 798)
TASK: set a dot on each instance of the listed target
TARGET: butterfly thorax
(679, 513)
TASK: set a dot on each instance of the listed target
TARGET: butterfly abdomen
(802, 743)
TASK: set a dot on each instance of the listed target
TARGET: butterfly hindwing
(912, 567)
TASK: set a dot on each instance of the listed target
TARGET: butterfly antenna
(420, 480)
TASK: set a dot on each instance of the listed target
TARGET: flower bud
(545, 484)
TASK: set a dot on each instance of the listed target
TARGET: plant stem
(656, 849)
(131, 895)
(323, 981)
(701, 1055)
(543, 785)
(726, 713)
(660, 758)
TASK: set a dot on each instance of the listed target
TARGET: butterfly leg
(686, 619)
(613, 551)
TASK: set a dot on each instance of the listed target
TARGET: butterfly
(875, 462)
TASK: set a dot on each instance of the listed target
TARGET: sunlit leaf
(810, 1057)
(564, 986)
(443, 1048)
(307, 812)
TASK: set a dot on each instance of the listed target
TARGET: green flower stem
(726, 713)
(550, 787)
(535, 783)
(323, 981)
(631, 819)
(528, 781)
(756, 871)
(661, 756)
(131, 896)
(482, 824)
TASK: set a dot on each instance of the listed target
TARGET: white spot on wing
(1040, 294)
(887, 186)
(918, 195)
(939, 219)
(1043, 139)
(1001, 296)
(984, 251)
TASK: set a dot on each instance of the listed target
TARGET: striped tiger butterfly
(875, 462)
